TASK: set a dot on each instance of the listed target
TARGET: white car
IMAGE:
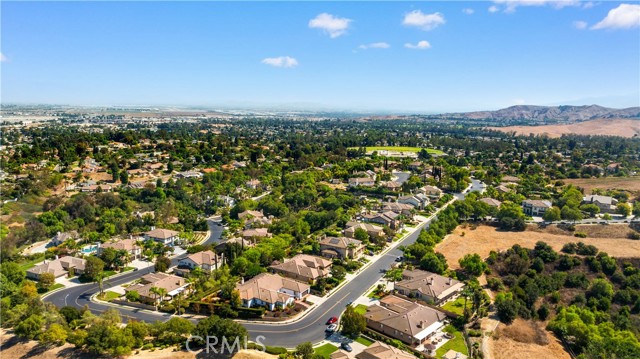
(332, 328)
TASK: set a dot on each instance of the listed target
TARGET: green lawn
(30, 263)
(457, 343)
(457, 306)
(109, 273)
(364, 341)
(126, 269)
(401, 149)
(360, 308)
(109, 296)
(326, 350)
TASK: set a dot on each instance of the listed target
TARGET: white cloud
(511, 5)
(424, 21)
(493, 9)
(375, 45)
(332, 25)
(421, 45)
(625, 16)
(580, 25)
(2, 57)
(282, 61)
(468, 11)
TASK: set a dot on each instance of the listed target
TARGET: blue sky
(395, 56)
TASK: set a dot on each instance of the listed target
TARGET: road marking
(65, 299)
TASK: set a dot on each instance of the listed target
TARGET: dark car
(332, 320)
(346, 347)
(399, 259)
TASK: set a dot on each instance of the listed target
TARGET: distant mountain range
(542, 114)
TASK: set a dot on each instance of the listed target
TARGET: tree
(552, 214)
(506, 308)
(338, 272)
(30, 328)
(132, 296)
(571, 213)
(124, 177)
(434, 262)
(304, 350)
(99, 278)
(13, 272)
(600, 288)
(56, 334)
(590, 208)
(361, 235)
(473, 265)
(93, 267)
(353, 323)
(394, 275)
(162, 264)
(108, 256)
(218, 327)
(46, 280)
(623, 209)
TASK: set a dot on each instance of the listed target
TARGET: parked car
(349, 303)
(332, 320)
(346, 347)
(332, 328)
(399, 259)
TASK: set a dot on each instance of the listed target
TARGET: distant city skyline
(422, 57)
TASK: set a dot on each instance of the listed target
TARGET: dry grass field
(610, 127)
(483, 239)
(524, 340)
(631, 184)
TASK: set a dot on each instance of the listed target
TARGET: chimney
(242, 280)
(449, 281)
(421, 324)
(431, 281)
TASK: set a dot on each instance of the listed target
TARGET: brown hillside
(609, 127)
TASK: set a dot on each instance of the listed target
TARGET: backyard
(326, 350)
(456, 306)
(456, 344)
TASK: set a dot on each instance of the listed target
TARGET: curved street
(308, 328)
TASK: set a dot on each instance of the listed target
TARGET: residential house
(253, 219)
(430, 191)
(129, 245)
(491, 202)
(605, 203)
(62, 237)
(255, 233)
(303, 267)
(227, 201)
(189, 174)
(205, 260)
(362, 181)
(503, 189)
(379, 350)
(427, 286)
(253, 183)
(388, 218)
(165, 236)
(372, 230)
(341, 247)
(392, 186)
(535, 207)
(418, 200)
(399, 208)
(173, 285)
(58, 267)
(404, 320)
(271, 291)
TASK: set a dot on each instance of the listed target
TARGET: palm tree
(99, 278)
(157, 292)
(466, 293)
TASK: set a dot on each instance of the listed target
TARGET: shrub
(634, 235)
(580, 235)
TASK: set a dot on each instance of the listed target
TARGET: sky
(426, 57)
